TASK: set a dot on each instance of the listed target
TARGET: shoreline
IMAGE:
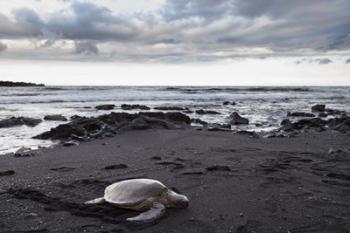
(235, 183)
(265, 108)
(81, 128)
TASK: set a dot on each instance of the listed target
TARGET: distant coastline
(19, 84)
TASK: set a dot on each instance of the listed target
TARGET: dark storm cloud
(319, 24)
(27, 17)
(22, 28)
(91, 22)
(88, 21)
(26, 24)
(195, 28)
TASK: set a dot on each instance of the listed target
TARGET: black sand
(235, 183)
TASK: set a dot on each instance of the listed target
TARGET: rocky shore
(80, 129)
(83, 129)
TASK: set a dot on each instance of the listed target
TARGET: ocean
(265, 107)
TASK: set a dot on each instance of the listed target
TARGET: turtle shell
(133, 192)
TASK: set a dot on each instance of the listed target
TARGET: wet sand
(235, 183)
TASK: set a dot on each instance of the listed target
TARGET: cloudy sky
(175, 42)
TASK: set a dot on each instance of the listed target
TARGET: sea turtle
(146, 195)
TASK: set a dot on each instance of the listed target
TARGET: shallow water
(264, 106)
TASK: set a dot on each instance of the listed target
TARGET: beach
(167, 116)
(235, 183)
(249, 159)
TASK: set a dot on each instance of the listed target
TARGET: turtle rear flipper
(155, 212)
(99, 200)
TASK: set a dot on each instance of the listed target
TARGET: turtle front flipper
(155, 212)
(99, 200)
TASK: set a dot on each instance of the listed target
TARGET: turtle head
(176, 200)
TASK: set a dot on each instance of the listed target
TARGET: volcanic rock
(208, 112)
(17, 121)
(236, 119)
(300, 114)
(318, 108)
(55, 118)
(105, 107)
(134, 107)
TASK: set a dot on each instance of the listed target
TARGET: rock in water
(334, 111)
(287, 125)
(76, 117)
(84, 128)
(134, 106)
(30, 121)
(318, 108)
(236, 119)
(300, 114)
(286, 122)
(229, 103)
(105, 107)
(171, 108)
(209, 112)
(17, 121)
(55, 118)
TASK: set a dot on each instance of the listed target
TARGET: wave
(77, 88)
(49, 101)
(280, 89)
(22, 94)
(237, 89)
(55, 88)
(94, 88)
(333, 97)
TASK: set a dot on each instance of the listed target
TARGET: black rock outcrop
(18, 121)
(84, 128)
